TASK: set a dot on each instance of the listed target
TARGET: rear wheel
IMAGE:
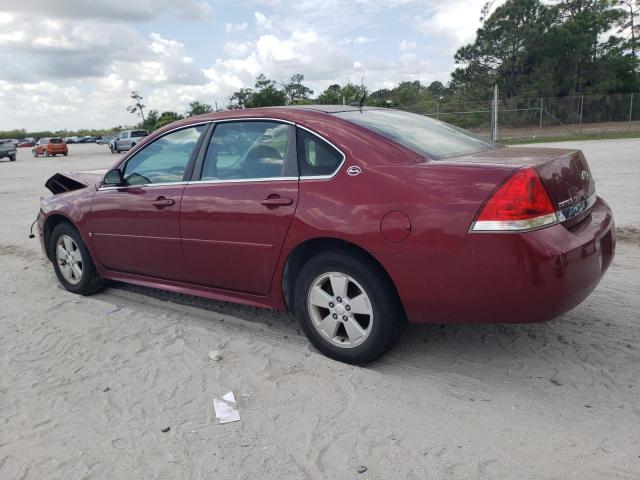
(347, 307)
(12, 158)
(72, 263)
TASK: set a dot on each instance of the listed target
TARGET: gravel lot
(88, 384)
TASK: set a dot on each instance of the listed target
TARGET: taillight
(521, 203)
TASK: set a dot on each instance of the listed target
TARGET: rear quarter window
(315, 156)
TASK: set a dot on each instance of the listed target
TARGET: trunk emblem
(584, 175)
(353, 171)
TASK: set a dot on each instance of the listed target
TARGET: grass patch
(569, 138)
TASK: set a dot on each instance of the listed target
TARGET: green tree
(266, 94)
(504, 48)
(137, 106)
(150, 121)
(198, 108)
(295, 91)
(331, 96)
(167, 118)
(240, 99)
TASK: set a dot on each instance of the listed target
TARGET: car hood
(69, 181)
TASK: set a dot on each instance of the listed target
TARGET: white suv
(126, 140)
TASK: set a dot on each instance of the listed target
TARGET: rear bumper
(57, 150)
(506, 277)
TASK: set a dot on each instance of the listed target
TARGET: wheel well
(310, 248)
(52, 222)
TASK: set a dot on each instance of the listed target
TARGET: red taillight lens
(521, 203)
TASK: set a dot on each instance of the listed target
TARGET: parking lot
(89, 383)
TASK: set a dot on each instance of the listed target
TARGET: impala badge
(353, 171)
(584, 175)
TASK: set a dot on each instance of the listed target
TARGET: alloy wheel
(340, 309)
(69, 259)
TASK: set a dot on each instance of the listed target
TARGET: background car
(50, 147)
(87, 139)
(104, 140)
(356, 219)
(127, 140)
(70, 140)
(8, 150)
(29, 142)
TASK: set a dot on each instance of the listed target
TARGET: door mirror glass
(113, 178)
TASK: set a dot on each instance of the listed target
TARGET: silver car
(126, 140)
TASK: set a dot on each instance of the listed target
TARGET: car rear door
(236, 212)
(135, 228)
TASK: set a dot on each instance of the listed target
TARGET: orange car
(50, 147)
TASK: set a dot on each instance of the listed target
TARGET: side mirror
(113, 178)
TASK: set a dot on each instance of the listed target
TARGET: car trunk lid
(564, 173)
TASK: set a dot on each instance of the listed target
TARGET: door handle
(162, 202)
(276, 201)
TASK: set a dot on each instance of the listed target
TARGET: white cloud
(235, 27)
(111, 10)
(362, 40)
(262, 21)
(75, 62)
(404, 45)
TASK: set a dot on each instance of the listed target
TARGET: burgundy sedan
(358, 220)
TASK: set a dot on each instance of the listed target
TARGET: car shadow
(483, 352)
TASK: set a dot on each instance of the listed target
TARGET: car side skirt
(195, 290)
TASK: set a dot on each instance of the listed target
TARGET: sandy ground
(88, 384)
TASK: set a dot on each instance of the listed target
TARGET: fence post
(541, 106)
(581, 106)
(630, 110)
(494, 115)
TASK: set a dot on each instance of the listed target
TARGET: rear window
(55, 140)
(139, 133)
(421, 134)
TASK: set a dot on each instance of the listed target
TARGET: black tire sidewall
(388, 314)
(90, 277)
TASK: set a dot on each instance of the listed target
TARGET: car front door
(236, 213)
(121, 141)
(135, 227)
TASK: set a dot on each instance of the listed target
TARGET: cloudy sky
(71, 63)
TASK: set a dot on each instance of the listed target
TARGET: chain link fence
(532, 118)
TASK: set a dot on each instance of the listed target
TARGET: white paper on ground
(225, 409)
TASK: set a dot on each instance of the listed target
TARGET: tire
(89, 281)
(65, 154)
(12, 158)
(380, 316)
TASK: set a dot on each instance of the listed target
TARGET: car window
(165, 159)
(246, 150)
(419, 133)
(139, 133)
(315, 156)
(55, 140)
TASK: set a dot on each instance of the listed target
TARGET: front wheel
(72, 263)
(12, 158)
(347, 307)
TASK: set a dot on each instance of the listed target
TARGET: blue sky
(73, 64)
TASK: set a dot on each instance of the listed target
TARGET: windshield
(55, 140)
(424, 135)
